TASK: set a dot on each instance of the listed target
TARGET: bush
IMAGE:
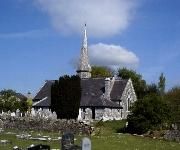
(148, 114)
(172, 97)
(10, 102)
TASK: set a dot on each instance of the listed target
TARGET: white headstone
(86, 144)
(33, 113)
(13, 114)
(17, 113)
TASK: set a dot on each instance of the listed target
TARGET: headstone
(17, 113)
(86, 144)
(13, 114)
(16, 148)
(39, 112)
(88, 114)
(1, 124)
(67, 141)
(33, 113)
(54, 115)
(9, 113)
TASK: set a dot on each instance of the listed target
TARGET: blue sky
(41, 39)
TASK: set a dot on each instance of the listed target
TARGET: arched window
(128, 103)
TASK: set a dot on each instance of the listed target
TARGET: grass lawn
(105, 139)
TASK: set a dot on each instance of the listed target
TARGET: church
(101, 98)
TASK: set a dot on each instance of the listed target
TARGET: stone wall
(39, 124)
(128, 98)
(172, 135)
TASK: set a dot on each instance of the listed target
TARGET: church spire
(84, 68)
(85, 37)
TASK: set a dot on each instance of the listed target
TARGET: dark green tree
(101, 71)
(161, 84)
(148, 114)
(7, 93)
(65, 97)
(138, 83)
(172, 97)
(152, 89)
(55, 97)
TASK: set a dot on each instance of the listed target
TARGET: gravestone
(67, 141)
(33, 112)
(16, 148)
(88, 114)
(86, 144)
(17, 113)
(1, 124)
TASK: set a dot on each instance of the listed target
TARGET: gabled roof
(42, 103)
(93, 94)
(118, 88)
(44, 94)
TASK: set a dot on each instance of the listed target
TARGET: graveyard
(104, 136)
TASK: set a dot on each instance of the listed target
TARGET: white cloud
(103, 17)
(112, 55)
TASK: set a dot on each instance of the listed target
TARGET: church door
(93, 113)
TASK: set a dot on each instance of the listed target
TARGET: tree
(148, 114)
(65, 97)
(172, 97)
(23, 106)
(10, 102)
(161, 84)
(152, 89)
(7, 93)
(29, 104)
(138, 83)
(101, 71)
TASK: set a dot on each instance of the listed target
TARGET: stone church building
(101, 98)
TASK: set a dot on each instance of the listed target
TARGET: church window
(121, 113)
(128, 104)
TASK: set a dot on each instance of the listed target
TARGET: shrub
(149, 113)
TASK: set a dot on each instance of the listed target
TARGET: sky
(41, 39)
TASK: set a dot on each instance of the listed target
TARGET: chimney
(107, 88)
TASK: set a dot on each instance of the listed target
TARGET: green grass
(128, 142)
(105, 139)
(22, 143)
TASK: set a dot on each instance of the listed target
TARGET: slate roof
(42, 103)
(118, 88)
(92, 93)
(44, 95)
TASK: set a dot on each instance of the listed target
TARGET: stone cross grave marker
(86, 144)
(67, 141)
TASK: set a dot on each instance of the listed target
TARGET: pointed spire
(85, 37)
(84, 68)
